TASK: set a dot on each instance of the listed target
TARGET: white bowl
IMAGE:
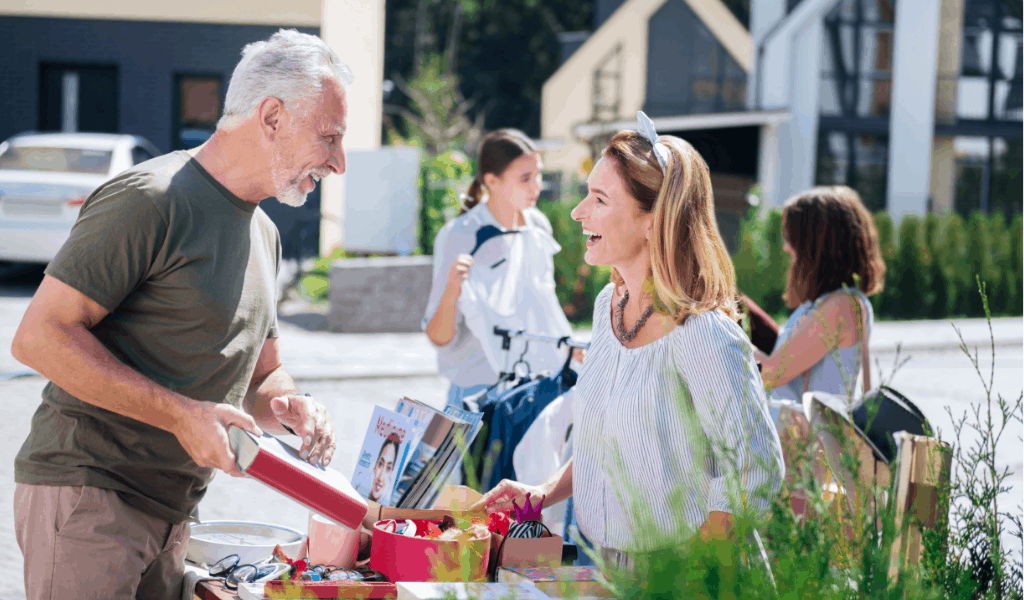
(252, 542)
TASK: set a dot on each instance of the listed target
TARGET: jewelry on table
(620, 327)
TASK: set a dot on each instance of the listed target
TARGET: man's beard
(287, 190)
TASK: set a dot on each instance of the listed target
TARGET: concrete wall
(380, 294)
(911, 118)
(789, 80)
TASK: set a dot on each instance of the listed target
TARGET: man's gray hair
(288, 66)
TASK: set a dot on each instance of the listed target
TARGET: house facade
(914, 103)
(161, 70)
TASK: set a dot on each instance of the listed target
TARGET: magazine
(437, 428)
(385, 452)
(448, 458)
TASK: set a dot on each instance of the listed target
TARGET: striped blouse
(647, 453)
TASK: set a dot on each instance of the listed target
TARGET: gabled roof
(719, 19)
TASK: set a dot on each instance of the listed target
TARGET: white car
(45, 178)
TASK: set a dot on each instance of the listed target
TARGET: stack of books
(410, 453)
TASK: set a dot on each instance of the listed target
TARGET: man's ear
(271, 116)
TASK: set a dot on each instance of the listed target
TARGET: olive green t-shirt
(188, 272)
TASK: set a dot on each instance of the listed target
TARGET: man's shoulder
(149, 181)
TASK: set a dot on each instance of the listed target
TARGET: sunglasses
(234, 573)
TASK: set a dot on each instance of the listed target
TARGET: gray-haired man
(156, 326)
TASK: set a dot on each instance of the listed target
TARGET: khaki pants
(82, 542)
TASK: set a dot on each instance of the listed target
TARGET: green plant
(979, 258)
(751, 260)
(1016, 266)
(938, 271)
(443, 178)
(964, 555)
(911, 288)
(777, 264)
(882, 302)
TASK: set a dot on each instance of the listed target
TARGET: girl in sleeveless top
(836, 265)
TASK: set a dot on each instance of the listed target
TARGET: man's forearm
(257, 399)
(72, 358)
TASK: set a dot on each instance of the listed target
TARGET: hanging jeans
(509, 416)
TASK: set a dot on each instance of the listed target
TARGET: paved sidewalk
(310, 352)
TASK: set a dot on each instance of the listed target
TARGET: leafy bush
(911, 289)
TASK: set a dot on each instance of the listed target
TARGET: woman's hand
(500, 498)
(458, 274)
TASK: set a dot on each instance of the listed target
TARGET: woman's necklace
(620, 326)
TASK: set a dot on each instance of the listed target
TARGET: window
(197, 108)
(688, 69)
(989, 85)
(856, 79)
(859, 160)
(55, 160)
(987, 174)
(856, 93)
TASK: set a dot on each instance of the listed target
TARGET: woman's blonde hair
(692, 271)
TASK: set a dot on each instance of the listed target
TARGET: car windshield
(56, 160)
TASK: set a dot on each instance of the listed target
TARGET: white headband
(646, 128)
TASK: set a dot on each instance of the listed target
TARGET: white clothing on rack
(511, 285)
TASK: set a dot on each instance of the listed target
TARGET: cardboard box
(922, 494)
(525, 552)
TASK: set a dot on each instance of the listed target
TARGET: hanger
(487, 232)
(521, 361)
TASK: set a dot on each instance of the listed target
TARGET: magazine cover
(385, 450)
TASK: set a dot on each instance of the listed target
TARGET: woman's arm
(441, 328)
(558, 487)
(451, 267)
(832, 325)
(727, 405)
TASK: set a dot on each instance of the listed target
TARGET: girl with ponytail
(508, 282)
(669, 407)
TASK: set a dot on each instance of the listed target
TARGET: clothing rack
(507, 375)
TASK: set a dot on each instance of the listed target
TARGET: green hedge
(931, 264)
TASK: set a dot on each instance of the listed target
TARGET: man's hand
(203, 433)
(309, 420)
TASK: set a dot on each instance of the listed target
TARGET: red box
(405, 558)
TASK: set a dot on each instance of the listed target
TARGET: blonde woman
(670, 385)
